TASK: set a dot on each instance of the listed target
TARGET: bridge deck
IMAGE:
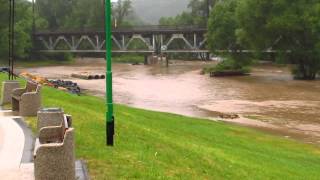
(129, 30)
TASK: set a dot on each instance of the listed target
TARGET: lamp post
(11, 37)
(208, 7)
(33, 18)
(109, 98)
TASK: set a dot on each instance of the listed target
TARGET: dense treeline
(63, 14)
(23, 28)
(290, 29)
(53, 15)
(196, 15)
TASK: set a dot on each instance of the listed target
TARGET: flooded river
(267, 99)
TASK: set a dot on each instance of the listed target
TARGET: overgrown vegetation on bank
(227, 67)
(154, 145)
(290, 29)
(128, 58)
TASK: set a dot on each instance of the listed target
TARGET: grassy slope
(153, 145)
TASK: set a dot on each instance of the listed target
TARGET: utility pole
(109, 95)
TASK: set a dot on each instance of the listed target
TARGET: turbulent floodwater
(269, 95)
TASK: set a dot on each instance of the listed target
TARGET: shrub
(228, 64)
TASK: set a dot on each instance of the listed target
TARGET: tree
(222, 35)
(55, 12)
(85, 14)
(121, 10)
(283, 26)
(90, 14)
(183, 19)
(197, 16)
(23, 28)
(222, 27)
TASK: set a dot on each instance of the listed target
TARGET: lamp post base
(110, 133)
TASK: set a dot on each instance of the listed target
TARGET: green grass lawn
(154, 145)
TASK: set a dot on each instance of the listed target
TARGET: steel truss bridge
(153, 39)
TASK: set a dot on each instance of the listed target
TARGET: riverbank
(269, 98)
(131, 59)
(152, 145)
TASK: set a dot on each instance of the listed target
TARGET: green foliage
(289, 28)
(184, 19)
(196, 16)
(222, 27)
(23, 29)
(83, 14)
(154, 145)
(223, 38)
(55, 12)
(137, 44)
(282, 57)
(228, 64)
(128, 58)
(121, 10)
(284, 26)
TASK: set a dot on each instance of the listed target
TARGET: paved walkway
(16, 150)
(12, 144)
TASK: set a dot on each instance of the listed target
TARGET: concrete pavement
(16, 148)
(12, 147)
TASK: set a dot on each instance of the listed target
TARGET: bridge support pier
(167, 61)
(207, 56)
(146, 59)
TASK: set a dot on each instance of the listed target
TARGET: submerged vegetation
(227, 67)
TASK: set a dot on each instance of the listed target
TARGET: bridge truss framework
(154, 39)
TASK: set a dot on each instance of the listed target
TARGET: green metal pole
(109, 100)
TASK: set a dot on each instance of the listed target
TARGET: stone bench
(27, 100)
(6, 91)
(54, 153)
(52, 117)
(65, 123)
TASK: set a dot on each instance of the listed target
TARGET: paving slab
(12, 144)
(16, 150)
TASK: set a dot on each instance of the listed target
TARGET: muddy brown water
(267, 99)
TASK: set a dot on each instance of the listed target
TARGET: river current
(268, 98)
